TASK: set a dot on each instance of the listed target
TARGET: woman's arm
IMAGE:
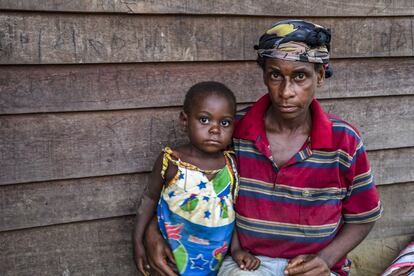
(319, 264)
(158, 251)
(350, 236)
(145, 213)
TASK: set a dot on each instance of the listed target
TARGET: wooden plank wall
(90, 92)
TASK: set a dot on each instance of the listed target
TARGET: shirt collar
(252, 126)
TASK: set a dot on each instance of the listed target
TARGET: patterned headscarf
(296, 40)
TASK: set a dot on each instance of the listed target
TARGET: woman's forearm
(350, 236)
(152, 230)
(145, 213)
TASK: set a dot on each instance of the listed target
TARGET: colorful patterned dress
(196, 215)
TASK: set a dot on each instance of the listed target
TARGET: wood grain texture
(373, 256)
(241, 7)
(384, 122)
(61, 146)
(103, 247)
(89, 248)
(398, 216)
(73, 145)
(392, 166)
(57, 202)
(26, 89)
(70, 181)
(75, 38)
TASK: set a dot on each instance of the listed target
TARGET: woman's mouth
(287, 108)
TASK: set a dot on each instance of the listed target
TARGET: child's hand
(140, 259)
(245, 260)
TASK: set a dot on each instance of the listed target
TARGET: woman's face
(291, 86)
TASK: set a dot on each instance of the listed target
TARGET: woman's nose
(287, 90)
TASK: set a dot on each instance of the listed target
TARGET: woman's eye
(225, 123)
(300, 76)
(275, 76)
(204, 120)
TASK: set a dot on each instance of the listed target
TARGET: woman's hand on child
(245, 260)
(159, 253)
(158, 257)
(141, 259)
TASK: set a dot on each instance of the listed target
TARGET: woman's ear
(320, 77)
(183, 118)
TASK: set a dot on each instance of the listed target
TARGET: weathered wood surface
(75, 38)
(26, 89)
(100, 247)
(103, 247)
(58, 202)
(73, 145)
(243, 7)
(384, 122)
(82, 226)
(392, 166)
(373, 256)
(49, 203)
(398, 216)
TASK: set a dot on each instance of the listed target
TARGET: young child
(194, 185)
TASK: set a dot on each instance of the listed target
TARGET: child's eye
(225, 123)
(204, 120)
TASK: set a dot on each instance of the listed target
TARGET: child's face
(210, 123)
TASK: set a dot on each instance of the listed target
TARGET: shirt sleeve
(361, 204)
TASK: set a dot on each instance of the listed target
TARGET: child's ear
(183, 118)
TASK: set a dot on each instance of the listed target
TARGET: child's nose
(214, 129)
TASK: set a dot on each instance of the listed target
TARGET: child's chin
(213, 149)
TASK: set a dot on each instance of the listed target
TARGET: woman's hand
(307, 265)
(245, 260)
(158, 251)
(141, 259)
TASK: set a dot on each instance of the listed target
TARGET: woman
(306, 195)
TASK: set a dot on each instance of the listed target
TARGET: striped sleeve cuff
(365, 217)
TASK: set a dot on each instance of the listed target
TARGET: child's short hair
(207, 87)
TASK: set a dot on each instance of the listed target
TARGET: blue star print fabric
(196, 217)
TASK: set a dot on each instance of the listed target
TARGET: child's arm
(145, 212)
(244, 259)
